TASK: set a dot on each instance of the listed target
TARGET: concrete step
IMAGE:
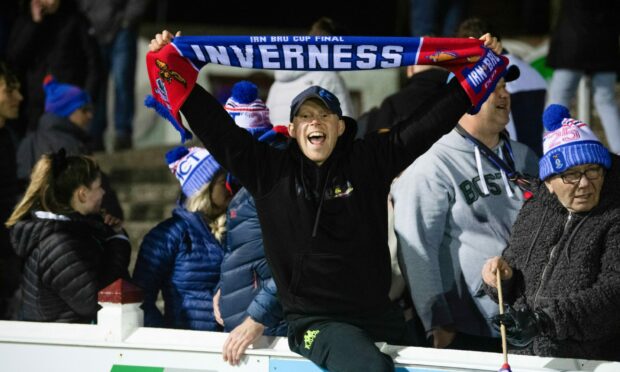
(140, 174)
(148, 192)
(147, 211)
(150, 157)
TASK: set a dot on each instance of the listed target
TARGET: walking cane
(502, 328)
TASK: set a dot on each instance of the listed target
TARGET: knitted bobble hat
(244, 106)
(193, 167)
(568, 143)
(63, 99)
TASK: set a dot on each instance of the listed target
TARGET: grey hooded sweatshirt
(449, 222)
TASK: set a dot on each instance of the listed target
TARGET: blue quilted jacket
(181, 258)
(246, 284)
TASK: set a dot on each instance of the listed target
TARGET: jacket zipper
(548, 264)
(542, 279)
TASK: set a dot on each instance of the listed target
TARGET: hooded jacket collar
(28, 234)
(52, 123)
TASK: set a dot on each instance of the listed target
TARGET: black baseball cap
(512, 73)
(328, 98)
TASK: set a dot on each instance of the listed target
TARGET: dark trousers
(340, 344)
(120, 60)
(463, 341)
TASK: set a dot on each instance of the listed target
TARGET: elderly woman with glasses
(560, 273)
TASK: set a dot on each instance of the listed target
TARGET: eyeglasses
(572, 178)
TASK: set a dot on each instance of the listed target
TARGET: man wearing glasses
(561, 270)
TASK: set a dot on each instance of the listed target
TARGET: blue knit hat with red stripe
(568, 143)
(193, 167)
(63, 99)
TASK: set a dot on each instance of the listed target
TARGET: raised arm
(252, 162)
(439, 113)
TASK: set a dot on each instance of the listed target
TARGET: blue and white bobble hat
(568, 143)
(193, 167)
(247, 110)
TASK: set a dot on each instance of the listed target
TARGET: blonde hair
(201, 202)
(52, 183)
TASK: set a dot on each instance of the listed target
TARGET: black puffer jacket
(68, 259)
(572, 272)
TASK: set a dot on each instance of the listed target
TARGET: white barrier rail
(53, 347)
(119, 343)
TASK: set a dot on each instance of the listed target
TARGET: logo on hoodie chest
(336, 189)
(472, 190)
(341, 190)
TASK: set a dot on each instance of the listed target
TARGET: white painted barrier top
(119, 343)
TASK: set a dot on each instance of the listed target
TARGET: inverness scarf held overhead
(173, 69)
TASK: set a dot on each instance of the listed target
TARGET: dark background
(363, 17)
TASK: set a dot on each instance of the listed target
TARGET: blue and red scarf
(173, 69)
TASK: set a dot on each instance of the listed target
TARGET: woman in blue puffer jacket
(181, 256)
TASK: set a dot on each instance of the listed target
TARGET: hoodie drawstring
(505, 178)
(318, 211)
(483, 182)
(503, 162)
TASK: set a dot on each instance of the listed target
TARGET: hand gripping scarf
(174, 68)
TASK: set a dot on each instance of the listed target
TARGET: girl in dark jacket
(70, 251)
(181, 256)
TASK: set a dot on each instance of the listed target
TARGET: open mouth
(316, 138)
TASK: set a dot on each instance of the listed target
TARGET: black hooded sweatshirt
(324, 227)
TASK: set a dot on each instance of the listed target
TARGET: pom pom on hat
(247, 110)
(553, 116)
(244, 92)
(176, 154)
(63, 99)
(193, 167)
(568, 143)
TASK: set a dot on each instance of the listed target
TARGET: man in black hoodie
(322, 207)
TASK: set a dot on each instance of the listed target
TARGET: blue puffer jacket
(181, 258)
(246, 284)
